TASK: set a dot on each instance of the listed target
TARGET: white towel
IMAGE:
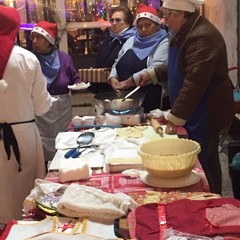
(84, 201)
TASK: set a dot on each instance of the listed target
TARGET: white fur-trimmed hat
(48, 30)
(144, 11)
(183, 5)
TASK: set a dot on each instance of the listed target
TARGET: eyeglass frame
(38, 37)
(116, 20)
(167, 15)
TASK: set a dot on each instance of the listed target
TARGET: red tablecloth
(114, 183)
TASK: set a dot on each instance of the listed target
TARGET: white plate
(79, 86)
(188, 180)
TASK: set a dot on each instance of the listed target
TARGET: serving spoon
(132, 92)
(83, 139)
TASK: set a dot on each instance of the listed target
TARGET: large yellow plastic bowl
(169, 158)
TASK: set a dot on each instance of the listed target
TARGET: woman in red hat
(23, 95)
(58, 68)
(148, 48)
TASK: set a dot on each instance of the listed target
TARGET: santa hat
(48, 30)
(10, 22)
(144, 11)
(183, 5)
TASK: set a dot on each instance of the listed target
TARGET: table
(140, 192)
(134, 187)
(116, 182)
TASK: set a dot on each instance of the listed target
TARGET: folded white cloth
(132, 173)
(67, 140)
(157, 113)
(58, 228)
(76, 171)
(122, 149)
(32, 229)
(84, 201)
(64, 236)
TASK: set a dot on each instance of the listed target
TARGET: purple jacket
(67, 76)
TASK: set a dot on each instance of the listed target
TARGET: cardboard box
(94, 75)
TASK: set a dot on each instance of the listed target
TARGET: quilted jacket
(203, 62)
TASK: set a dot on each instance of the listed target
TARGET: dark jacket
(108, 51)
(203, 62)
(97, 38)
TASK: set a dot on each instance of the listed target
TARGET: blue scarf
(123, 35)
(144, 46)
(50, 65)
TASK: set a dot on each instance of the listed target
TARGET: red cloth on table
(186, 216)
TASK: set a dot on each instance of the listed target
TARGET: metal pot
(112, 101)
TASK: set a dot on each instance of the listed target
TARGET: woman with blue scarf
(147, 49)
(121, 20)
(59, 71)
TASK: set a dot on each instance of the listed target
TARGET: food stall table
(140, 192)
(117, 182)
(135, 188)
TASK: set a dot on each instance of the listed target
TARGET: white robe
(26, 97)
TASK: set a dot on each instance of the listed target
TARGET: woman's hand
(114, 83)
(144, 78)
(171, 128)
(122, 85)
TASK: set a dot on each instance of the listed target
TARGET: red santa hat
(48, 30)
(144, 11)
(10, 23)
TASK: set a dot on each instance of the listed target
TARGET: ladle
(132, 92)
(83, 139)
